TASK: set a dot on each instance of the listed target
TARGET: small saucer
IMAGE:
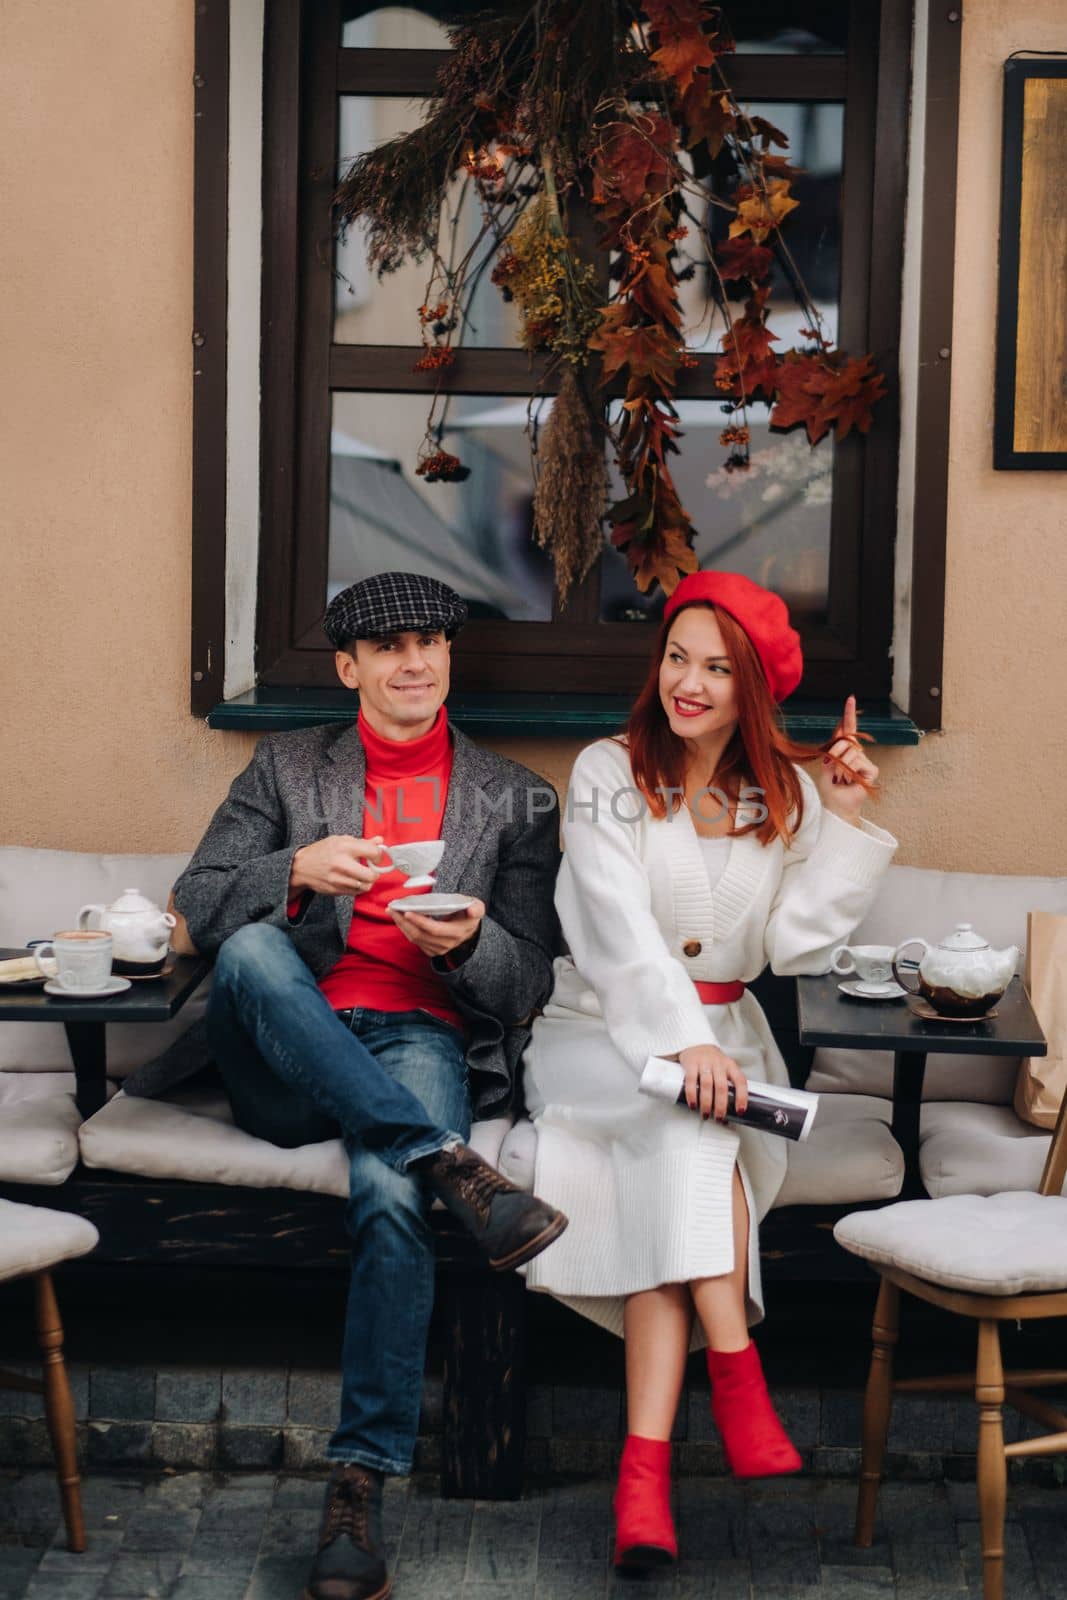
(151, 977)
(872, 991)
(114, 986)
(923, 1008)
(432, 905)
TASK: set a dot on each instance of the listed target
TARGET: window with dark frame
(342, 419)
(290, 665)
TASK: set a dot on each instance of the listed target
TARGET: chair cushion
(974, 1149)
(849, 1155)
(39, 1140)
(989, 1079)
(42, 891)
(983, 1244)
(191, 1135)
(33, 1239)
(926, 901)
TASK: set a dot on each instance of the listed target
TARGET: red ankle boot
(644, 1528)
(754, 1440)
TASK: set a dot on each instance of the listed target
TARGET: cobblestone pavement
(194, 1536)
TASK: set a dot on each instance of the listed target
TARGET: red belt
(720, 994)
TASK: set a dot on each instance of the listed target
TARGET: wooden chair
(1002, 1258)
(32, 1241)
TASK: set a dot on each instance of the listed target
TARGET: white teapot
(962, 976)
(140, 932)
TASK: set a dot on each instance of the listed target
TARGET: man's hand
(439, 936)
(337, 865)
(180, 941)
(709, 1073)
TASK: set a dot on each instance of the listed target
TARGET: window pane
(782, 27)
(812, 233)
(819, 27)
(474, 535)
(372, 27)
(772, 523)
(386, 311)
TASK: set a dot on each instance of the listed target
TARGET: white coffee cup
(80, 958)
(871, 963)
(418, 859)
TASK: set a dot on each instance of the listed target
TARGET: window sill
(534, 716)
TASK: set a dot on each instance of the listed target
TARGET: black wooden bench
(481, 1313)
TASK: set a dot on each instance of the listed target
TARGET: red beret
(763, 615)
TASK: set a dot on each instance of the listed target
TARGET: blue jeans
(394, 1086)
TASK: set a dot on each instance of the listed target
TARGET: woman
(697, 850)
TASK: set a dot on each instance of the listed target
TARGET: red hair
(759, 753)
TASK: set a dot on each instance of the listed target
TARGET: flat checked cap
(393, 602)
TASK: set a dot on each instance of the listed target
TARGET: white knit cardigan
(647, 1186)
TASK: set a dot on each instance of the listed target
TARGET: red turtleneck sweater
(404, 801)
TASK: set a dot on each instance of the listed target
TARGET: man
(331, 1011)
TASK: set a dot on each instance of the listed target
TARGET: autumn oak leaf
(846, 395)
(707, 115)
(647, 352)
(759, 214)
(743, 258)
(683, 46)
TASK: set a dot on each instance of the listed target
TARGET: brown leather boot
(350, 1561)
(510, 1225)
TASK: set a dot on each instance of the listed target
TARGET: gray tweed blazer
(501, 830)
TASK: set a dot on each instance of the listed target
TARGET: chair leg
(59, 1409)
(877, 1408)
(992, 1462)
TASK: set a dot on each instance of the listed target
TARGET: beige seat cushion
(989, 1079)
(850, 1155)
(984, 1244)
(192, 1136)
(974, 1149)
(33, 1239)
(39, 1140)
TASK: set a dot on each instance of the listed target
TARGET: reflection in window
(474, 535)
(776, 27)
(772, 523)
(812, 233)
(368, 310)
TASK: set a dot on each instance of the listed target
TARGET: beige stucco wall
(99, 750)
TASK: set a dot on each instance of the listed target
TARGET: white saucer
(113, 986)
(872, 991)
(432, 905)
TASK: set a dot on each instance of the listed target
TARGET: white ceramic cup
(80, 958)
(871, 963)
(418, 859)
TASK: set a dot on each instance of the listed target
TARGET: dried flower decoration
(612, 103)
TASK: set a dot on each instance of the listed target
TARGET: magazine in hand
(789, 1113)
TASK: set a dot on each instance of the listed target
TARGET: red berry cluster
(433, 313)
(734, 435)
(506, 267)
(440, 467)
(435, 356)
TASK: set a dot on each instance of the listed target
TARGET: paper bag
(1042, 1081)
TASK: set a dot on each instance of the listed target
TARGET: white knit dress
(647, 1185)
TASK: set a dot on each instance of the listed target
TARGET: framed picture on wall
(1030, 403)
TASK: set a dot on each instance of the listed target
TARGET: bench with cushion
(175, 1179)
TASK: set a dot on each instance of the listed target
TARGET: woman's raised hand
(708, 1075)
(845, 776)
